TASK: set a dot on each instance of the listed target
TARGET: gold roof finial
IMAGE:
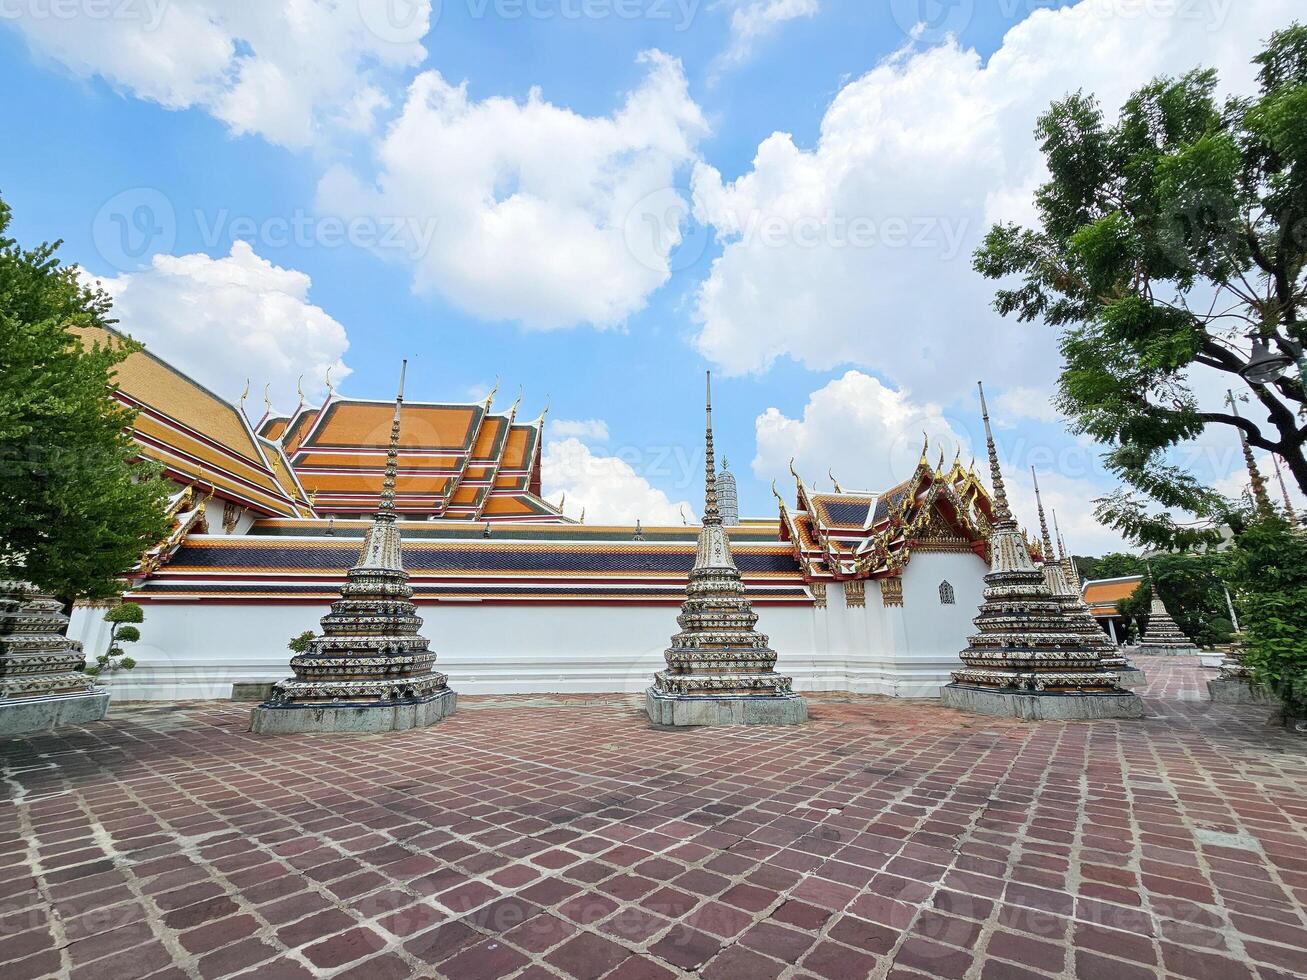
(940, 468)
(512, 412)
(562, 502)
(795, 473)
(545, 411)
(684, 520)
(244, 395)
(582, 520)
(1002, 513)
(494, 390)
(834, 482)
(331, 389)
(267, 398)
(925, 446)
(299, 389)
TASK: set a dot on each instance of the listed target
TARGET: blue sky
(223, 125)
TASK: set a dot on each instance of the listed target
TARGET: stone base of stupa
(1165, 650)
(1042, 706)
(359, 718)
(682, 711)
(22, 716)
(1238, 690)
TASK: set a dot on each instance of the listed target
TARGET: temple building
(860, 590)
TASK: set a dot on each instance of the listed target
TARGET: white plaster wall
(198, 650)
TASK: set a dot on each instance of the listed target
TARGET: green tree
(1193, 588)
(1118, 565)
(1268, 573)
(1166, 241)
(76, 511)
(126, 619)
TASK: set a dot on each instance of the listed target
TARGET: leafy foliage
(124, 617)
(300, 643)
(1164, 239)
(1268, 571)
(75, 510)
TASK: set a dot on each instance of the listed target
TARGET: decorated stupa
(728, 498)
(41, 682)
(720, 670)
(1162, 637)
(369, 670)
(1063, 582)
(1028, 660)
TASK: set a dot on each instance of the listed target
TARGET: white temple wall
(198, 650)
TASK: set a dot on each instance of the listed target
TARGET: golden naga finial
(545, 411)
(834, 482)
(267, 398)
(582, 520)
(795, 473)
(331, 390)
(562, 503)
(925, 446)
(518, 401)
(684, 520)
(490, 396)
(313, 498)
(299, 388)
(244, 395)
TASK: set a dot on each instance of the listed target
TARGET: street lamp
(1266, 366)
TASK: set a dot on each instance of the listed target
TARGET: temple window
(946, 595)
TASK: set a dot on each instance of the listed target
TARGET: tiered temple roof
(867, 534)
(460, 461)
(199, 438)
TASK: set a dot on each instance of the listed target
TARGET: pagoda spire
(720, 669)
(1046, 542)
(1284, 492)
(1002, 513)
(711, 515)
(1260, 497)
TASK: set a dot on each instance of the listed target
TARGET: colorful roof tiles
(198, 437)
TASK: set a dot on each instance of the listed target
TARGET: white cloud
(587, 430)
(225, 320)
(870, 436)
(857, 250)
(1028, 403)
(536, 213)
(755, 20)
(279, 70)
(608, 488)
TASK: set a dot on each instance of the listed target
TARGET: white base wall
(198, 650)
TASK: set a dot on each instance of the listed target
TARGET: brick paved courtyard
(537, 837)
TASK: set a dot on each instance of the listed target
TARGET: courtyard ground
(563, 837)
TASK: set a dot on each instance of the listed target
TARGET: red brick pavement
(536, 837)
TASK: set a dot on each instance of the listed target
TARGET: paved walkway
(538, 837)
